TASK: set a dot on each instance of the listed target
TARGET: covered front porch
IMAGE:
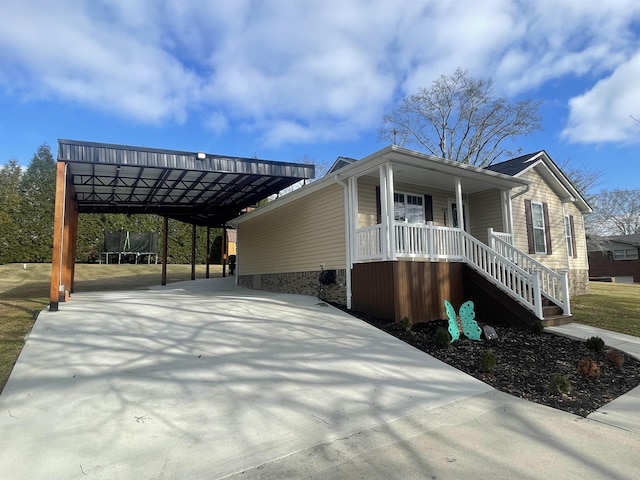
(406, 209)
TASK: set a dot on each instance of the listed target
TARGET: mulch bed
(525, 362)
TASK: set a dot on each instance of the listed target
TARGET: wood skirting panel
(417, 290)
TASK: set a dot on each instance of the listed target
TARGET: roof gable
(546, 168)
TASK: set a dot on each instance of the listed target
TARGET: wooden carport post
(165, 241)
(65, 224)
(224, 251)
(193, 251)
(208, 252)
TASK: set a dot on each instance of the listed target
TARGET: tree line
(27, 198)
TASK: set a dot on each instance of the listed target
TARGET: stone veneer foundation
(304, 283)
(578, 282)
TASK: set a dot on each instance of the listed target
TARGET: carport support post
(193, 251)
(58, 230)
(206, 275)
(224, 251)
(165, 241)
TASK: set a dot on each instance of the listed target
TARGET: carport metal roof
(198, 188)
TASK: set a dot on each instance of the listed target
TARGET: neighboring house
(385, 235)
(615, 257)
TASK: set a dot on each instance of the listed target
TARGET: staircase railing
(514, 280)
(553, 285)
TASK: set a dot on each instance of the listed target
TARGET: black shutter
(378, 206)
(529, 219)
(573, 236)
(547, 228)
(428, 208)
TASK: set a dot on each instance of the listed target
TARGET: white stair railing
(515, 281)
(554, 285)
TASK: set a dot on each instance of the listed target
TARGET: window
(539, 239)
(568, 233)
(628, 254)
(408, 208)
(538, 231)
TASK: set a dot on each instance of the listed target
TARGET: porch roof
(420, 169)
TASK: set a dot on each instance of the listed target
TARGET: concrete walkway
(207, 380)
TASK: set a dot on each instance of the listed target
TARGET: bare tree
(584, 178)
(615, 212)
(460, 118)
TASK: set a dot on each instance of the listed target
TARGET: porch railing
(517, 282)
(553, 285)
(446, 243)
(369, 242)
(435, 243)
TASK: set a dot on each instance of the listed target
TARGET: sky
(295, 80)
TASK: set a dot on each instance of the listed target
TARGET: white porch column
(459, 204)
(384, 218)
(391, 213)
(507, 217)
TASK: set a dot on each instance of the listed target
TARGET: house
(396, 233)
(616, 258)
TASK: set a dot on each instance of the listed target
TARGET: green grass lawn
(24, 292)
(612, 306)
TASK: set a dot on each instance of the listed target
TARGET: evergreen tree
(38, 189)
(10, 201)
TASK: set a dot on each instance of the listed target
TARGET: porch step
(551, 310)
(554, 320)
(553, 315)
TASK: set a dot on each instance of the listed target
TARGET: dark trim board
(393, 290)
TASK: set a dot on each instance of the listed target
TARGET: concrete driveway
(207, 380)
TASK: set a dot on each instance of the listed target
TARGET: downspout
(347, 233)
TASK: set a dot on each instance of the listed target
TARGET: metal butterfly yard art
(464, 322)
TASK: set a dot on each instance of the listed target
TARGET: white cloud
(290, 71)
(603, 114)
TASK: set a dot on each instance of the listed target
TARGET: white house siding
(485, 210)
(541, 191)
(282, 249)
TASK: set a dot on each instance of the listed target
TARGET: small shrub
(537, 327)
(487, 361)
(595, 344)
(443, 339)
(589, 368)
(614, 358)
(406, 323)
(559, 384)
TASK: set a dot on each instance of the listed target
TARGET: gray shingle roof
(514, 166)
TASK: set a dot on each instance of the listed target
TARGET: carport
(197, 188)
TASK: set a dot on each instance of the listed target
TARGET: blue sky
(291, 80)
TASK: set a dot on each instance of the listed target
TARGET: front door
(453, 214)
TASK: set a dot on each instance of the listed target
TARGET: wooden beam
(74, 243)
(58, 228)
